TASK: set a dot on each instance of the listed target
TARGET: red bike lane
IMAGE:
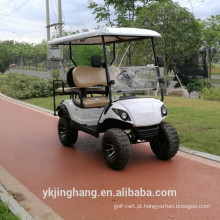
(31, 152)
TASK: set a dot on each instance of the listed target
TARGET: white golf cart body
(124, 119)
(142, 111)
(147, 112)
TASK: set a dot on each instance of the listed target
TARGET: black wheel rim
(62, 131)
(109, 151)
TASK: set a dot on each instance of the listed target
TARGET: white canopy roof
(111, 35)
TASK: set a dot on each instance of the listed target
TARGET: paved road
(213, 76)
(44, 74)
(40, 74)
(31, 152)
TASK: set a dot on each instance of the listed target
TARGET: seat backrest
(69, 77)
(96, 61)
(85, 76)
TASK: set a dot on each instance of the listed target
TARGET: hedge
(210, 93)
(22, 86)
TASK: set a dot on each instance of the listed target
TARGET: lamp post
(192, 4)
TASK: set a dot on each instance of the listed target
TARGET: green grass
(5, 213)
(215, 81)
(46, 102)
(215, 69)
(31, 69)
(197, 121)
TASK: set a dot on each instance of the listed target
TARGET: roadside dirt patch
(17, 196)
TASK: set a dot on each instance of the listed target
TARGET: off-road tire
(166, 145)
(116, 148)
(67, 135)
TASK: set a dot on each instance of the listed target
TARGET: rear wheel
(116, 148)
(166, 145)
(67, 135)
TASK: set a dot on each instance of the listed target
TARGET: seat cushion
(66, 90)
(95, 89)
(93, 102)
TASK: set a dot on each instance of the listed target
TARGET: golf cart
(112, 99)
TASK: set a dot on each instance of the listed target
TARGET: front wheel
(67, 135)
(166, 145)
(116, 148)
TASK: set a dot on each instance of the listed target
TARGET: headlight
(164, 111)
(123, 114)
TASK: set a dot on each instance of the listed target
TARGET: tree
(23, 54)
(83, 54)
(192, 67)
(39, 54)
(5, 55)
(121, 13)
(180, 30)
(102, 11)
(26, 55)
(197, 85)
(211, 38)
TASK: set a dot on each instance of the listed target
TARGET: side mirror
(160, 62)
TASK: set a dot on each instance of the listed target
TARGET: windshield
(137, 79)
(134, 70)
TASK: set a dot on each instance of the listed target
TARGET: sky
(25, 20)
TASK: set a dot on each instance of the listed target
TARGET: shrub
(210, 93)
(197, 85)
(55, 74)
(22, 86)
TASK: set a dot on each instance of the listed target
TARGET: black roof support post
(113, 59)
(71, 54)
(158, 70)
(155, 56)
(106, 70)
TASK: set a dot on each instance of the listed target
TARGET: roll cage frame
(119, 35)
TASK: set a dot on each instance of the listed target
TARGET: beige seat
(88, 90)
(64, 90)
(68, 90)
(92, 102)
(85, 77)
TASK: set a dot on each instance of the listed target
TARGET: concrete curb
(13, 205)
(22, 201)
(27, 104)
(200, 154)
(36, 209)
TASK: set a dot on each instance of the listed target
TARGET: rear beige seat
(88, 77)
(84, 77)
(65, 90)
(88, 90)
(92, 102)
